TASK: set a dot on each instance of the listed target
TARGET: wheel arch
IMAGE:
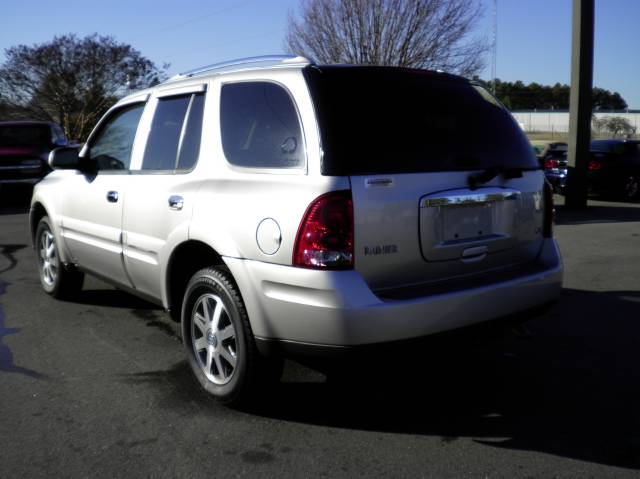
(186, 258)
(38, 211)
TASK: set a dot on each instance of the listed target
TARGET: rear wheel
(56, 279)
(632, 188)
(218, 339)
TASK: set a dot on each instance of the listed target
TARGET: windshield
(376, 120)
(38, 136)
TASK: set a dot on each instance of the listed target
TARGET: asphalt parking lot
(99, 387)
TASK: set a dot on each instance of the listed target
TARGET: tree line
(520, 96)
(73, 81)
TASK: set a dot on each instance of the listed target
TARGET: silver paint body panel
(405, 232)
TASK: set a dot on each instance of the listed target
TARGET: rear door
(158, 207)
(444, 183)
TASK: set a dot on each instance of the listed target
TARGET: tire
(219, 342)
(56, 279)
(631, 191)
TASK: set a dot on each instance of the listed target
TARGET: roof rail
(265, 61)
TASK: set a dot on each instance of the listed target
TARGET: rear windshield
(615, 147)
(38, 136)
(377, 120)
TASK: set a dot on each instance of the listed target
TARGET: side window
(111, 148)
(58, 136)
(190, 146)
(174, 139)
(260, 126)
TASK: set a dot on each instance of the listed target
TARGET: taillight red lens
(550, 164)
(595, 165)
(325, 236)
(549, 211)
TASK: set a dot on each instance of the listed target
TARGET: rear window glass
(38, 136)
(615, 147)
(260, 127)
(377, 120)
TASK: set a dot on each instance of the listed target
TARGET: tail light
(549, 211)
(550, 164)
(325, 236)
(595, 165)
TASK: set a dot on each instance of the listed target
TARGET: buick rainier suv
(274, 206)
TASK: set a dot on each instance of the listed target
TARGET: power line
(194, 19)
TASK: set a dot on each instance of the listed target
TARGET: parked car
(276, 207)
(614, 168)
(553, 159)
(24, 150)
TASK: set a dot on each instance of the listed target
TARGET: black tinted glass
(260, 127)
(381, 120)
(190, 146)
(162, 145)
(111, 149)
(38, 136)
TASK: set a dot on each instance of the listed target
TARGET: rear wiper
(490, 173)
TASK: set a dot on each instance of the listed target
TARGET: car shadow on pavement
(571, 390)
(625, 212)
(113, 298)
(15, 200)
(7, 364)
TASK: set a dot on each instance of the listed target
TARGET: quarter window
(260, 126)
(174, 139)
(111, 149)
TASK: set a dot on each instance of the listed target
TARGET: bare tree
(72, 81)
(434, 34)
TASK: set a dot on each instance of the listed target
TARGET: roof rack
(265, 61)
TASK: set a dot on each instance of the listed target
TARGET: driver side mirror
(65, 158)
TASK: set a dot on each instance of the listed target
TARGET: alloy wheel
(213, 338)
(49, 262)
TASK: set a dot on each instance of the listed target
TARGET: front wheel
(55, 278)
(218, 339)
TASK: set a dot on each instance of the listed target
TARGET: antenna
(494, 53)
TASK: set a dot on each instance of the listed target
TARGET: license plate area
(466, 222)
(455, 222)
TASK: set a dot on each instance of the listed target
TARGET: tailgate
(421, 228)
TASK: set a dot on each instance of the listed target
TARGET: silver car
(275, 206)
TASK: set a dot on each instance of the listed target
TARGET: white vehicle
(273, 206)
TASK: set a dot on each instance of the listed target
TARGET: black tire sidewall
(217, 282)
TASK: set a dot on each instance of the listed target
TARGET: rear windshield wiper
(490, 173)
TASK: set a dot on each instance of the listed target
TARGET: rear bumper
(337, 308)
(16, 174)
(21, 181)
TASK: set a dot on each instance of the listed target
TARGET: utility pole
(580, 105)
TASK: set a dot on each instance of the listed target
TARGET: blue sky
(534, 36)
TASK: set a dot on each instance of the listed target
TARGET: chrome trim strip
(470, 198)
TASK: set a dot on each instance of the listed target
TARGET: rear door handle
(176, 202)
(112, 196)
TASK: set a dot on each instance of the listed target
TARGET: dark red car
(24, 150)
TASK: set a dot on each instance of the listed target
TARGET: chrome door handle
(176, 202)
(112, 196)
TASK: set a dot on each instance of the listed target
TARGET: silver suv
(275, 206)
